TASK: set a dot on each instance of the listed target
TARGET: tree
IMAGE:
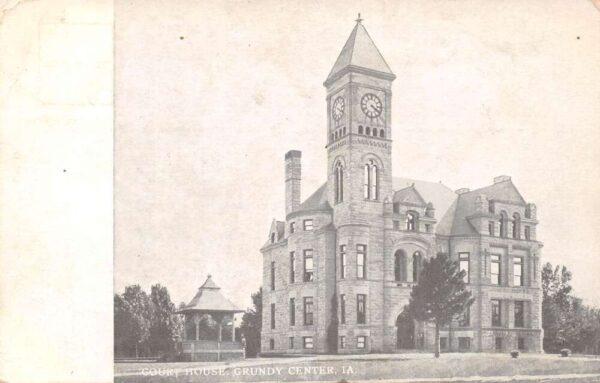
(440, 295)
(332, 330)
(252, 325)
(166, 327)
(132, 318)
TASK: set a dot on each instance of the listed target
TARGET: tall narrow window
(465, 318)
(343, 261)
(292, 267)
(400, 266)
(308, 311)
(491, 229)
(339, 182)
(371, 181)
(360, 129)
(517, 271)
(527, 232)
(272, 237)
(496, 313)
(361, 309)
(361, 257)
(411, 221)
(519, 314)
(292, 227)
(396, 207)
(416, 266)
(308, 265)
(374, 132)
(292, 312)
(463, 264)
(272, 275)
(495, 277)
(382, 133)
(503, 224)
(342, 309)
(516, 227)
(272, 316)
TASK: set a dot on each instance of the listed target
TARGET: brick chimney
(293, 176)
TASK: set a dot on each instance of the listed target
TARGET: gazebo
(209, 303)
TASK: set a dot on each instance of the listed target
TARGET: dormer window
(396, 207)
(272, 237)
(411, 221)
(292, 227)
(516, 228)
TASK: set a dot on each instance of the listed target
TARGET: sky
(210, 95)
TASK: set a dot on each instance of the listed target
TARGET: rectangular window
(272, 344)
(291, 342)
(443, 343)
(361, 341)
(396, 207)
(292, 267)
(498, 343)
(343, 261)
(496, 313)
(272, 316)
(342, 309)
(292, 312)
(308, 311)
(308, 265)
(361, 257)
(465, 318)
(463, 263)
(292, 227)
(427, 228)
(519, 314)
(527, 233)
(464, 343)
(521, 344)
(308, 342)
(495, 269)
(396, 225)
(361, 309)
(272, 275)
(308, 224)
(517, 271)
(491, 228)
(342, 341)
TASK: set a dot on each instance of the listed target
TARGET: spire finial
(208, 276)
(359, 19)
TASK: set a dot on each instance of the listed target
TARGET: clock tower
(359, 129)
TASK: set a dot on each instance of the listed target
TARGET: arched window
(374, 132)
(370, 180)
(332, 137)
(336, 134)
(360, 129)
(400, 266)
(339, 182)
(368, 131)
(516, 229)
(344, 131)
(411, 221)
(382, 133)
(503, 224)
(417, 259)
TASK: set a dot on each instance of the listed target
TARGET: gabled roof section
(409, 195)
(209, 299)
(360, 52)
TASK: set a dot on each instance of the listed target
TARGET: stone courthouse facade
(355, 247)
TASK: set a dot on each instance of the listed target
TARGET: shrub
(565, 352)
(514, 353)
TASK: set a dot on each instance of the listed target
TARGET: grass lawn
(353, 368)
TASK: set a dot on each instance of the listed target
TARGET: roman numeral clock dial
(371, 105)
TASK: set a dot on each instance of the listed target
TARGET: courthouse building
(360, 239)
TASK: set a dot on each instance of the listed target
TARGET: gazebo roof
(209, 299)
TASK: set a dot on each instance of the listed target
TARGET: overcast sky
(210, 95)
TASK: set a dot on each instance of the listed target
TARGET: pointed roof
(209, 299)
(358, 53)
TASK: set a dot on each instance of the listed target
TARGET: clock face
(338, 108)
(371, 105)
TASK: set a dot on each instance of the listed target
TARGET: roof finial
(359, 19)
(208, 276)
